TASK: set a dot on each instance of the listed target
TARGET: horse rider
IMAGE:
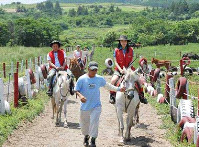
(78, 55)
(123, 56)
(57, 61)
(88, 90)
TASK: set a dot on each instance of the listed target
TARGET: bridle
(61, 89)
(126, 97)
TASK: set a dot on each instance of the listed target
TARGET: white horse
(127, 102)
(61, 90)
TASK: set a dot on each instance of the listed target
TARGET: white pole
(22, 66)
(158, 85)
(37, 76)
(28, 84)
(2, 103)
(172, 92)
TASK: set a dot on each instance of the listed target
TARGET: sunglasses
(93, 69)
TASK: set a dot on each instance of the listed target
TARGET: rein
(125, 95)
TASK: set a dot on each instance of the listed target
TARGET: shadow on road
(141, 141)
(72, 102)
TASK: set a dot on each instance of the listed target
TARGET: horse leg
(57, 115)
(60, 110)
(53, 107)
(129, 122)
(120, 121)
(65, 112)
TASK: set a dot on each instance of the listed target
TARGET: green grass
(26, 113)
(162, 52)
(17, 54)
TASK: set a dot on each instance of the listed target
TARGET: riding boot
(112, 97)
(92, 142)
(86, 140)
(50, 91)
(72, 87)
(142, 98)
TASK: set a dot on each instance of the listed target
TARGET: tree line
(39, 25)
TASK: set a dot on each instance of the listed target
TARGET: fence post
(4, 70)
(2, 104)
(17, 67)
(16, 90)
(167, 89)
(172, 92)
(28, 84)
(11, 69)
(181, 68)
(26, 64)
(37, 77)
(158, 85)
(185, 96)
(21, 65)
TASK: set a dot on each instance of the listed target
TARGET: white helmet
(109, 63)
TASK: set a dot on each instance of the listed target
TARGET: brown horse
(75, 68)
(160, 63)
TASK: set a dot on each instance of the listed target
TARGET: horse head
(73, 63)
(63, 82)
(130, 78)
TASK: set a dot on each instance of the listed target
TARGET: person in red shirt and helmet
(123, 56)
(57, 61)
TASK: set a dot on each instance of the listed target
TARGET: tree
(58, 9)
(109, 39)
(72, 12)
(4, 34)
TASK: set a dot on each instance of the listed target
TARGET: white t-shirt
(57, 64)
(77, 54)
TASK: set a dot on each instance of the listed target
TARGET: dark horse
(75, 68)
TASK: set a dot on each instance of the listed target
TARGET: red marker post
(4, 70)
(16, 89)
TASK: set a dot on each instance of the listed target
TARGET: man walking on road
(88, 89)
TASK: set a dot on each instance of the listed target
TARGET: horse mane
(132, 74)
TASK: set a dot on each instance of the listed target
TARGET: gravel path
(43, 133)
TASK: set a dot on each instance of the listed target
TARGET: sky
(22, 1)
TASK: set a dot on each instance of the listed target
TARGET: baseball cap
(93, 65)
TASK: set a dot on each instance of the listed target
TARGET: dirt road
(43, 133)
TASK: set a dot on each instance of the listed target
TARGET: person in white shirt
(78, 55)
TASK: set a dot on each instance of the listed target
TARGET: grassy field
(124, 7)
(67, 6)
(162, 52)
(26, 113)
(90, 34)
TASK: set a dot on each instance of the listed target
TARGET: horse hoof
(121, 140)
(65, 125)
(127, 139)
